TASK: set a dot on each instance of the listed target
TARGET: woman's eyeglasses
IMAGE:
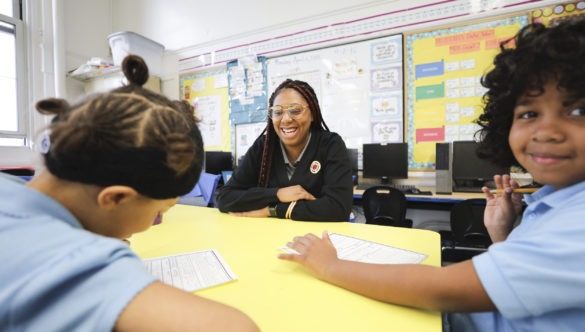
(294, 111)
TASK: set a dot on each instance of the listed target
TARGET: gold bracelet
(288, 214)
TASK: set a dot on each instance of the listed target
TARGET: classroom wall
(66, 33)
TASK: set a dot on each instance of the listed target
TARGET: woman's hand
(260, 213)
(293, 193)
(501, 211)
(316, 254)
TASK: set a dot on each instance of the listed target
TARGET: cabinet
(110, 78)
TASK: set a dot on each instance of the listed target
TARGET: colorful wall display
(443, 68)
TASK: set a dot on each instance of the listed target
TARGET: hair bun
(52, 106)
(135, 69)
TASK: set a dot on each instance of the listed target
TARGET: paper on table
(191, 271)
(359, 250)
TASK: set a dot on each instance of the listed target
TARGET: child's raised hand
(502, 209)
(315, 253)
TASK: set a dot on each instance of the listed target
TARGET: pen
(516, 190)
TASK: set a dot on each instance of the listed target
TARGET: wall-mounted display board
(359, 86)
(208, 93)
(556, 13)
(443, 68)
(247, 90)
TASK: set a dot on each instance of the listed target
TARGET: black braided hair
(269, 144)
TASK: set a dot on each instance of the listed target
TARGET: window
(13, 113)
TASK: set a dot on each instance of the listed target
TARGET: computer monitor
(469, 171)
(386, 161)
(218, 161)
(353, 160)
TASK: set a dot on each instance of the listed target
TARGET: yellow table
(278, 295)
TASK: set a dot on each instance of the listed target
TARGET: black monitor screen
(217, 161)
(385, 161)
(353, 160)
(467, 166)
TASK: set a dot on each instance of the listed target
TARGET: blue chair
(226, 175)
(203, 193)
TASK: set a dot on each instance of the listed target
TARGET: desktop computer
(443, 169)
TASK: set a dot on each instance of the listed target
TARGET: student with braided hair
(296, 169)
(115, 162)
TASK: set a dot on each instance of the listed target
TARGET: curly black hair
(535, 56)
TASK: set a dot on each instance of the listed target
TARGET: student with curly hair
(116, 161)
(296, 169)
(532, 278)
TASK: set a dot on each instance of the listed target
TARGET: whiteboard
(359, 87)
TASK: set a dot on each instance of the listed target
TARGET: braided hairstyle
(106, 131)
(540, 55)
(305, 90)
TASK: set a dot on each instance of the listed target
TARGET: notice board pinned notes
(443, 92)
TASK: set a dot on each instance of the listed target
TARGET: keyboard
(468, 189)
(401, 187)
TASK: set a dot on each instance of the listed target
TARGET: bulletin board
(443, 68)
(247, 90)
(359, 87)
(208, 93)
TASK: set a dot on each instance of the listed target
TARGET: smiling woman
(296, 169)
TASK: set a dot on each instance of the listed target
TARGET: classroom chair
(226, 175)
(468, 236)
(386, 206)
(203, 194)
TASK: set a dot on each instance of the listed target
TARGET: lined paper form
(359, 250)
(191, 271)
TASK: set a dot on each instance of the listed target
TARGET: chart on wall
(208, 94)
(359, 87)
(443, 90)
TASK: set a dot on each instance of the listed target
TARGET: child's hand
(314, 253)
(502, 210)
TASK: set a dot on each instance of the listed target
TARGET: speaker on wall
(443, 169)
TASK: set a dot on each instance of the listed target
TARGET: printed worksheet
(359, 250)
(191, 271)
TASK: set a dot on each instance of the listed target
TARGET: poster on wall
(359, 87)
(208, 108)
(443, 90)
(246, 134)
(207, 93)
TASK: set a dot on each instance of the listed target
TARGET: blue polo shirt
(536, 278)
(54, 275)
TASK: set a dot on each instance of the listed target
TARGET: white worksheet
(359, 250)
(191, 271)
